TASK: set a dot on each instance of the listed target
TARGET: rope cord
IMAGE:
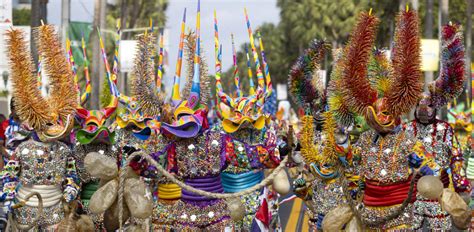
(189, 188)
(183, 185)
(15, 224)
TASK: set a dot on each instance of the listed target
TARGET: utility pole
(122, 82)
(415, 4)
(468, 39)
(39, 11)
(443, 15)
(65, 18)
(98, 68)
(428, 33)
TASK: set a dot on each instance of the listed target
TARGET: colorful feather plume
(340, 109)
(380, 72)
(143, 82)
(189, 50)
(407, 87)
(451, 78)
(309, 151)
(357, 91)
(63, 92)
(305, 84)
(30, 106)
(329, 149)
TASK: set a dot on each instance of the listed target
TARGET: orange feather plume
(30, 106)
(63, 93)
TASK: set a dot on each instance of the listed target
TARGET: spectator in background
(11, 126)
(3, 120)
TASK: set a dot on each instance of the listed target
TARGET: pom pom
(305, 84)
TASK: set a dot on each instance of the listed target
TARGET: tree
(273, 43)
(21, 17)
(133, 14)
(137, 13)
(304, 20)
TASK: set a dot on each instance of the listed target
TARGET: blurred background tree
(21, 17)
(137, 14)
(304, 20)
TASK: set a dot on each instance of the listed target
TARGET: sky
(230, 19)
(230, 16)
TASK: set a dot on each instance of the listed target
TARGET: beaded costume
(93, 137)
(196, 154)
(187, 148)
(47, 166)
(323, 155)
(440, 152)
(131, 201)
(250, 142)
(383, 151)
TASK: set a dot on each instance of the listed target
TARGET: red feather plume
(406, 62)
(357, 91)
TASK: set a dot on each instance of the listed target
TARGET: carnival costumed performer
(439, 153)
(190, 150)
(93, 137)
(389, 182)
(323, 146)
(249, 139)
(460, 121)
(47, 165)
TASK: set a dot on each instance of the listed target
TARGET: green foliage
(21, 17)
(273, 40)
(137, 14)
(105, 96)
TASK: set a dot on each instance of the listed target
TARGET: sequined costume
(438, 151)
(321, 189)
(381, 154)
(385, 171)
(447, 162)
(93, 136)
(250, 140)
(46, 164)
(185, 146)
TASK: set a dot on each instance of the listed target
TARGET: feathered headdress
(449, 83)
(341, 111)
(243, 109)
(305, 83)
(403, 92)
(52, 117)
(92, 121)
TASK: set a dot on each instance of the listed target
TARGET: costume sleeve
(166, 158)
(460, 181)
(71, 185)
(9, 180)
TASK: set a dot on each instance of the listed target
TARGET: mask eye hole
(385, 113)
